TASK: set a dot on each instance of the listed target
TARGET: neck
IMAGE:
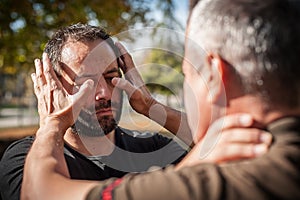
(262, 113)
(86, 145)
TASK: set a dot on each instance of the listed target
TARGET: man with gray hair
(240, 56)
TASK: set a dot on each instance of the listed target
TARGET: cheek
(90, 100)
(192, 108)
(116, 95)
(197, 107)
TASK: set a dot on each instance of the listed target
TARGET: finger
(39, 72)
(235, 152)
(125, 57)
(50, 82)
(249, 135)
(232, 121)
(49, 73)
(128, 67)
(121, 65)
(134, 77)
(124, 85)
(79, 99)
(35, 86)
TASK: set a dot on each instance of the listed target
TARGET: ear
(216, 66)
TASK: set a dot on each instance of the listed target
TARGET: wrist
(152, 103)
(53, 126)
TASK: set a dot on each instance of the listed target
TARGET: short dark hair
(77, 32)
(260, 39)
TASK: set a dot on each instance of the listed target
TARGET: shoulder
(134, 133)
(18, 148)
(137, 141)
(145, 136)
(141, 142)
(11, 167)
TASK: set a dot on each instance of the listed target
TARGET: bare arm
(45, 172)
(141, 100)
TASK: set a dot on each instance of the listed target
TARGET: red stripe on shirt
(107, 192)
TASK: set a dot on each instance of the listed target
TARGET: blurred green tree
(163, 75)
(26, 25)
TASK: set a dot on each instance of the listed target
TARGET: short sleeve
(11, 168)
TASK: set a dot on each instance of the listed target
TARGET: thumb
(124, 85)
(84, 92)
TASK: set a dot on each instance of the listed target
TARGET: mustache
(101, 105)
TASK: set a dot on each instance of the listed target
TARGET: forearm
(142, 102)
(47, 172)
(44, 159)
(47, 149)
(173, 120)
(188, 183)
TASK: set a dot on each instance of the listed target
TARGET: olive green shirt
(276, 175)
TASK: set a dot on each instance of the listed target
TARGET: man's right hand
(55, 105)
(142, 101)
(229, 138)
(138, 94)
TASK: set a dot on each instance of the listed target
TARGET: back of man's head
(259, 39)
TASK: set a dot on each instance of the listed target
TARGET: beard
(89, 124)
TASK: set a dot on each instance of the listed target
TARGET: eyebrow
(86, 76)
(113, 70)
(93, 75)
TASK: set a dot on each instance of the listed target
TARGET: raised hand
(54, 103)
(229, 138)
(142, 102)
(139, 96)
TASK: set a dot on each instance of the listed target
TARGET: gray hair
(260, 39)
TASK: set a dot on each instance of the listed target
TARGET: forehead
(88, 57)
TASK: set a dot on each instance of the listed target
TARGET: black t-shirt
(134, 152)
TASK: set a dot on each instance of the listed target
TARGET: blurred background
(26, 25)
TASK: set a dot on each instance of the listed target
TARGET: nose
(102, 90)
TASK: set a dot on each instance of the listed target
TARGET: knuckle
(39, 76)
(255, 135)
(47, 72)
(231, 135)
(249, 150)
(243, 150)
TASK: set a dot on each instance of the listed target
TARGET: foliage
(164, 75)
(26, 25)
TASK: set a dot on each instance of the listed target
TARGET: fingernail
(115, 80)
(265, 137)
(260, 149)
(33, 75)
(90, 84)
(245, 120)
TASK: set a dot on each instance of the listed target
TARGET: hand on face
(54, 103)
(229, 138)
(139, 96)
